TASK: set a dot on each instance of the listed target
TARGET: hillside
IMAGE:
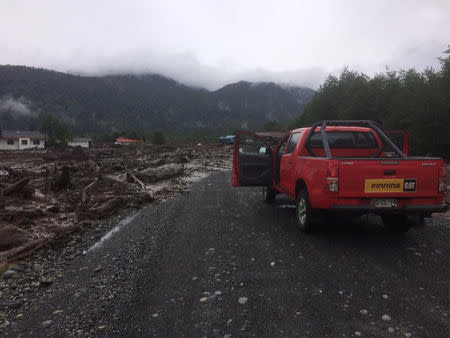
(141, 102)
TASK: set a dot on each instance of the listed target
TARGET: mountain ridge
(144, 102)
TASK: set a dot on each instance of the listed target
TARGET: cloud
(211, 43)
(19, 106)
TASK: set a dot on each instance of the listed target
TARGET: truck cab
(343, 166)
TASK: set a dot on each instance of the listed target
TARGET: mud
(49, 196)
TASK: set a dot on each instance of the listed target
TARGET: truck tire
(396, 223)
(303, 213)
(268, 195)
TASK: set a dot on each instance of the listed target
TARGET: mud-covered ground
(218, 262)
(49, 197)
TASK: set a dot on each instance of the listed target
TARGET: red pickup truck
(342, 166)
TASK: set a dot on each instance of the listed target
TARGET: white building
(83, 142)
(19, 140)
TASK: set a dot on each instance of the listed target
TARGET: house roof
(128, 140)
(16, 134)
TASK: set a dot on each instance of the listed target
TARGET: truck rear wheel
(268, 195)
(396, 223)
(303, 213)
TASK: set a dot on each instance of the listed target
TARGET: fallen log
(131, 178)
(62, 181)
(17, 188)
(11, 236)
(163, 172)
(93, 166)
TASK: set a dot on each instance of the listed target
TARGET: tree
(158, 138)
(273, 126)
(55, 131)
(406, 99)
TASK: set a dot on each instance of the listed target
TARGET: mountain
(141, 102)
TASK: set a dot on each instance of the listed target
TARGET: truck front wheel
(396, 223)
(303, 212)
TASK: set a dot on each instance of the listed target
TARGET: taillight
(332, 179)
(442, 179)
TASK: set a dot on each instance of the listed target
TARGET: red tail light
(442, 179)
(332, 180)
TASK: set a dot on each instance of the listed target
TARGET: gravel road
(217, 261)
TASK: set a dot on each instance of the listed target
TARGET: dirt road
(217, 262)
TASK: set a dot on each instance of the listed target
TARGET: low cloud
(19, 106)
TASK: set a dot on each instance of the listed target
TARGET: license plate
(390, 185)
(383, 203)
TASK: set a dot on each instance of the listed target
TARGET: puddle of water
(109, 234)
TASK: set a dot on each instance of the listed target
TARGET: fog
(18, 106)
(211, 43)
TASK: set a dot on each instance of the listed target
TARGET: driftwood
(131, 178)
(163, 172)
(61, 181)
(17, 188)
(93, 166)
(11, 236)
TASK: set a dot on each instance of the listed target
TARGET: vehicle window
(283, 146)
(250, 145)
(292, 143)
(366, 140)
(397, 138)
(345, 139)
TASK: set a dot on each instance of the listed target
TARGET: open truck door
(400, 139)
(252, 161)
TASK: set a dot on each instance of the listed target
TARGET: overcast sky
(210, 43)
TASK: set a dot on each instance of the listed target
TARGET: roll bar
(355, 123)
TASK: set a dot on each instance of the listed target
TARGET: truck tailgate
(401, 178)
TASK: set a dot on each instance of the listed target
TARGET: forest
(408, 100)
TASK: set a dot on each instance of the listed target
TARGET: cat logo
(389, 185)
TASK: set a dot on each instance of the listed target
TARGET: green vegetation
(158, 138)
(54, 130)
(274, 126)
(409, 100)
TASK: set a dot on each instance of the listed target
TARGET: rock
(57, 312)
(15, 304)
(391, 329)
(11, 236)
(47, 323)
(357, 333)
(8, 274)
(203, 299)
(218, 293)
(101, 327)
(407, 334)
(272, 264)
(385, 296)
(155, 315)
(363, 312)
(46, 282)
(242, 300)
(386, 317)
(97, 269)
